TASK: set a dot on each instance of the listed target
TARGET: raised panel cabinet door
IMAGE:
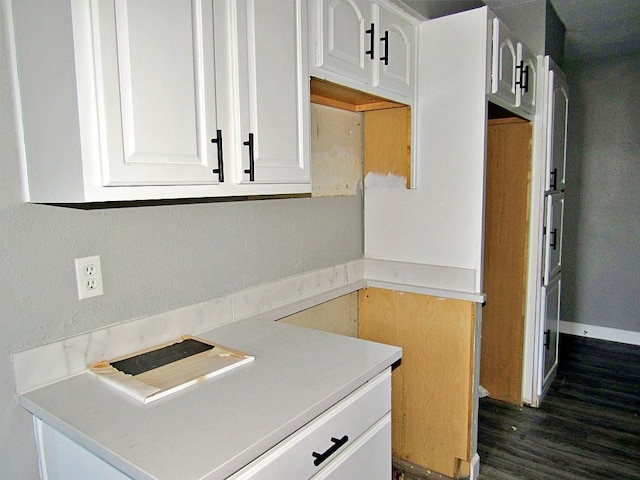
(348, 43)
(396, 52)
(156, 91)
(554, 212)
(273, 84)
(557, 134)
(527, 66)
(550, 333)
(503, 71)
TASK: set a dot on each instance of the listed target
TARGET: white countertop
(214, 428)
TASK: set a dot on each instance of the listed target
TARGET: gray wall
(154, 259)
(601, 267)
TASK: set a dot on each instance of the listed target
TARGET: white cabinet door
(366, 45)
(551, 331)
(396, 52)
(558, 104)
(63, 459)
(273, 92)
(527, 66)
(156, 91)
(346, 38)
(503, 70)
(554, 211)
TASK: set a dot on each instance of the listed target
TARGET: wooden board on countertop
(432, 396)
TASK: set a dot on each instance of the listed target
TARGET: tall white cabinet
(127, 100)
(555, 121)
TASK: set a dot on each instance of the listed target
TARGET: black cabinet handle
(552, 243)
(252, 168)
(337, 443)
(552, 180)
(385, 39)
(522, 76)
(220, 169)
(372, 34)
(547, 338)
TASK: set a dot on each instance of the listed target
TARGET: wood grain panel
(387, 142)
(505, 257)
(344, 98)
(432, 399)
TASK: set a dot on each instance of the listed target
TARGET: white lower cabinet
(352, 439)
(325, 446)
(63, 459)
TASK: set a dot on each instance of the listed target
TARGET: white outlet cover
(89, 277)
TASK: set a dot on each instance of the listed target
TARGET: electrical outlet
(89, 277)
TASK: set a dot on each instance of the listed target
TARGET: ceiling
(594, 28)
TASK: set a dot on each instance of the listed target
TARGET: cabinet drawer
(325, 437)
(369, 456)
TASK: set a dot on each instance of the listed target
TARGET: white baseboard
(600, 333)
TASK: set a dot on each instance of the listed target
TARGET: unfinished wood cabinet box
(387, 127)
(433, 404)
(505, 257)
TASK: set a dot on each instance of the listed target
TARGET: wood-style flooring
(588, 426)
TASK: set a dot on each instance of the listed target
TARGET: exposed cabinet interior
(387, 127)
(506, 242)
(431, 425)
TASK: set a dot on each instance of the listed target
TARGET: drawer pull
(337, 443)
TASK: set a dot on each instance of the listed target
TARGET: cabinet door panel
(504, 63)
(526, 91)
(551, 325)
(554, 212)
(557, 121)
(274, 91)
(347, 38)
(396, 44)
(154, 67)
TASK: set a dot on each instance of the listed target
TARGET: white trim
(475, 467)
(601, 333)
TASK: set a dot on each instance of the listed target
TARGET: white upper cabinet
(153, 99)
(513, 70)
(527, 66)
(503, 79)
(155, 82)
(557, 111)
(367, 45)
(274, 91)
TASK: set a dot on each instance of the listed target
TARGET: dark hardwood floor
(587, 428)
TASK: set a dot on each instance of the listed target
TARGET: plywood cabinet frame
(387, 128)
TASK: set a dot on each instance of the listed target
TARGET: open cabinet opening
(387, 129)
(506, 239)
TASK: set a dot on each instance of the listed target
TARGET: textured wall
(154, 259)
(601, 267)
